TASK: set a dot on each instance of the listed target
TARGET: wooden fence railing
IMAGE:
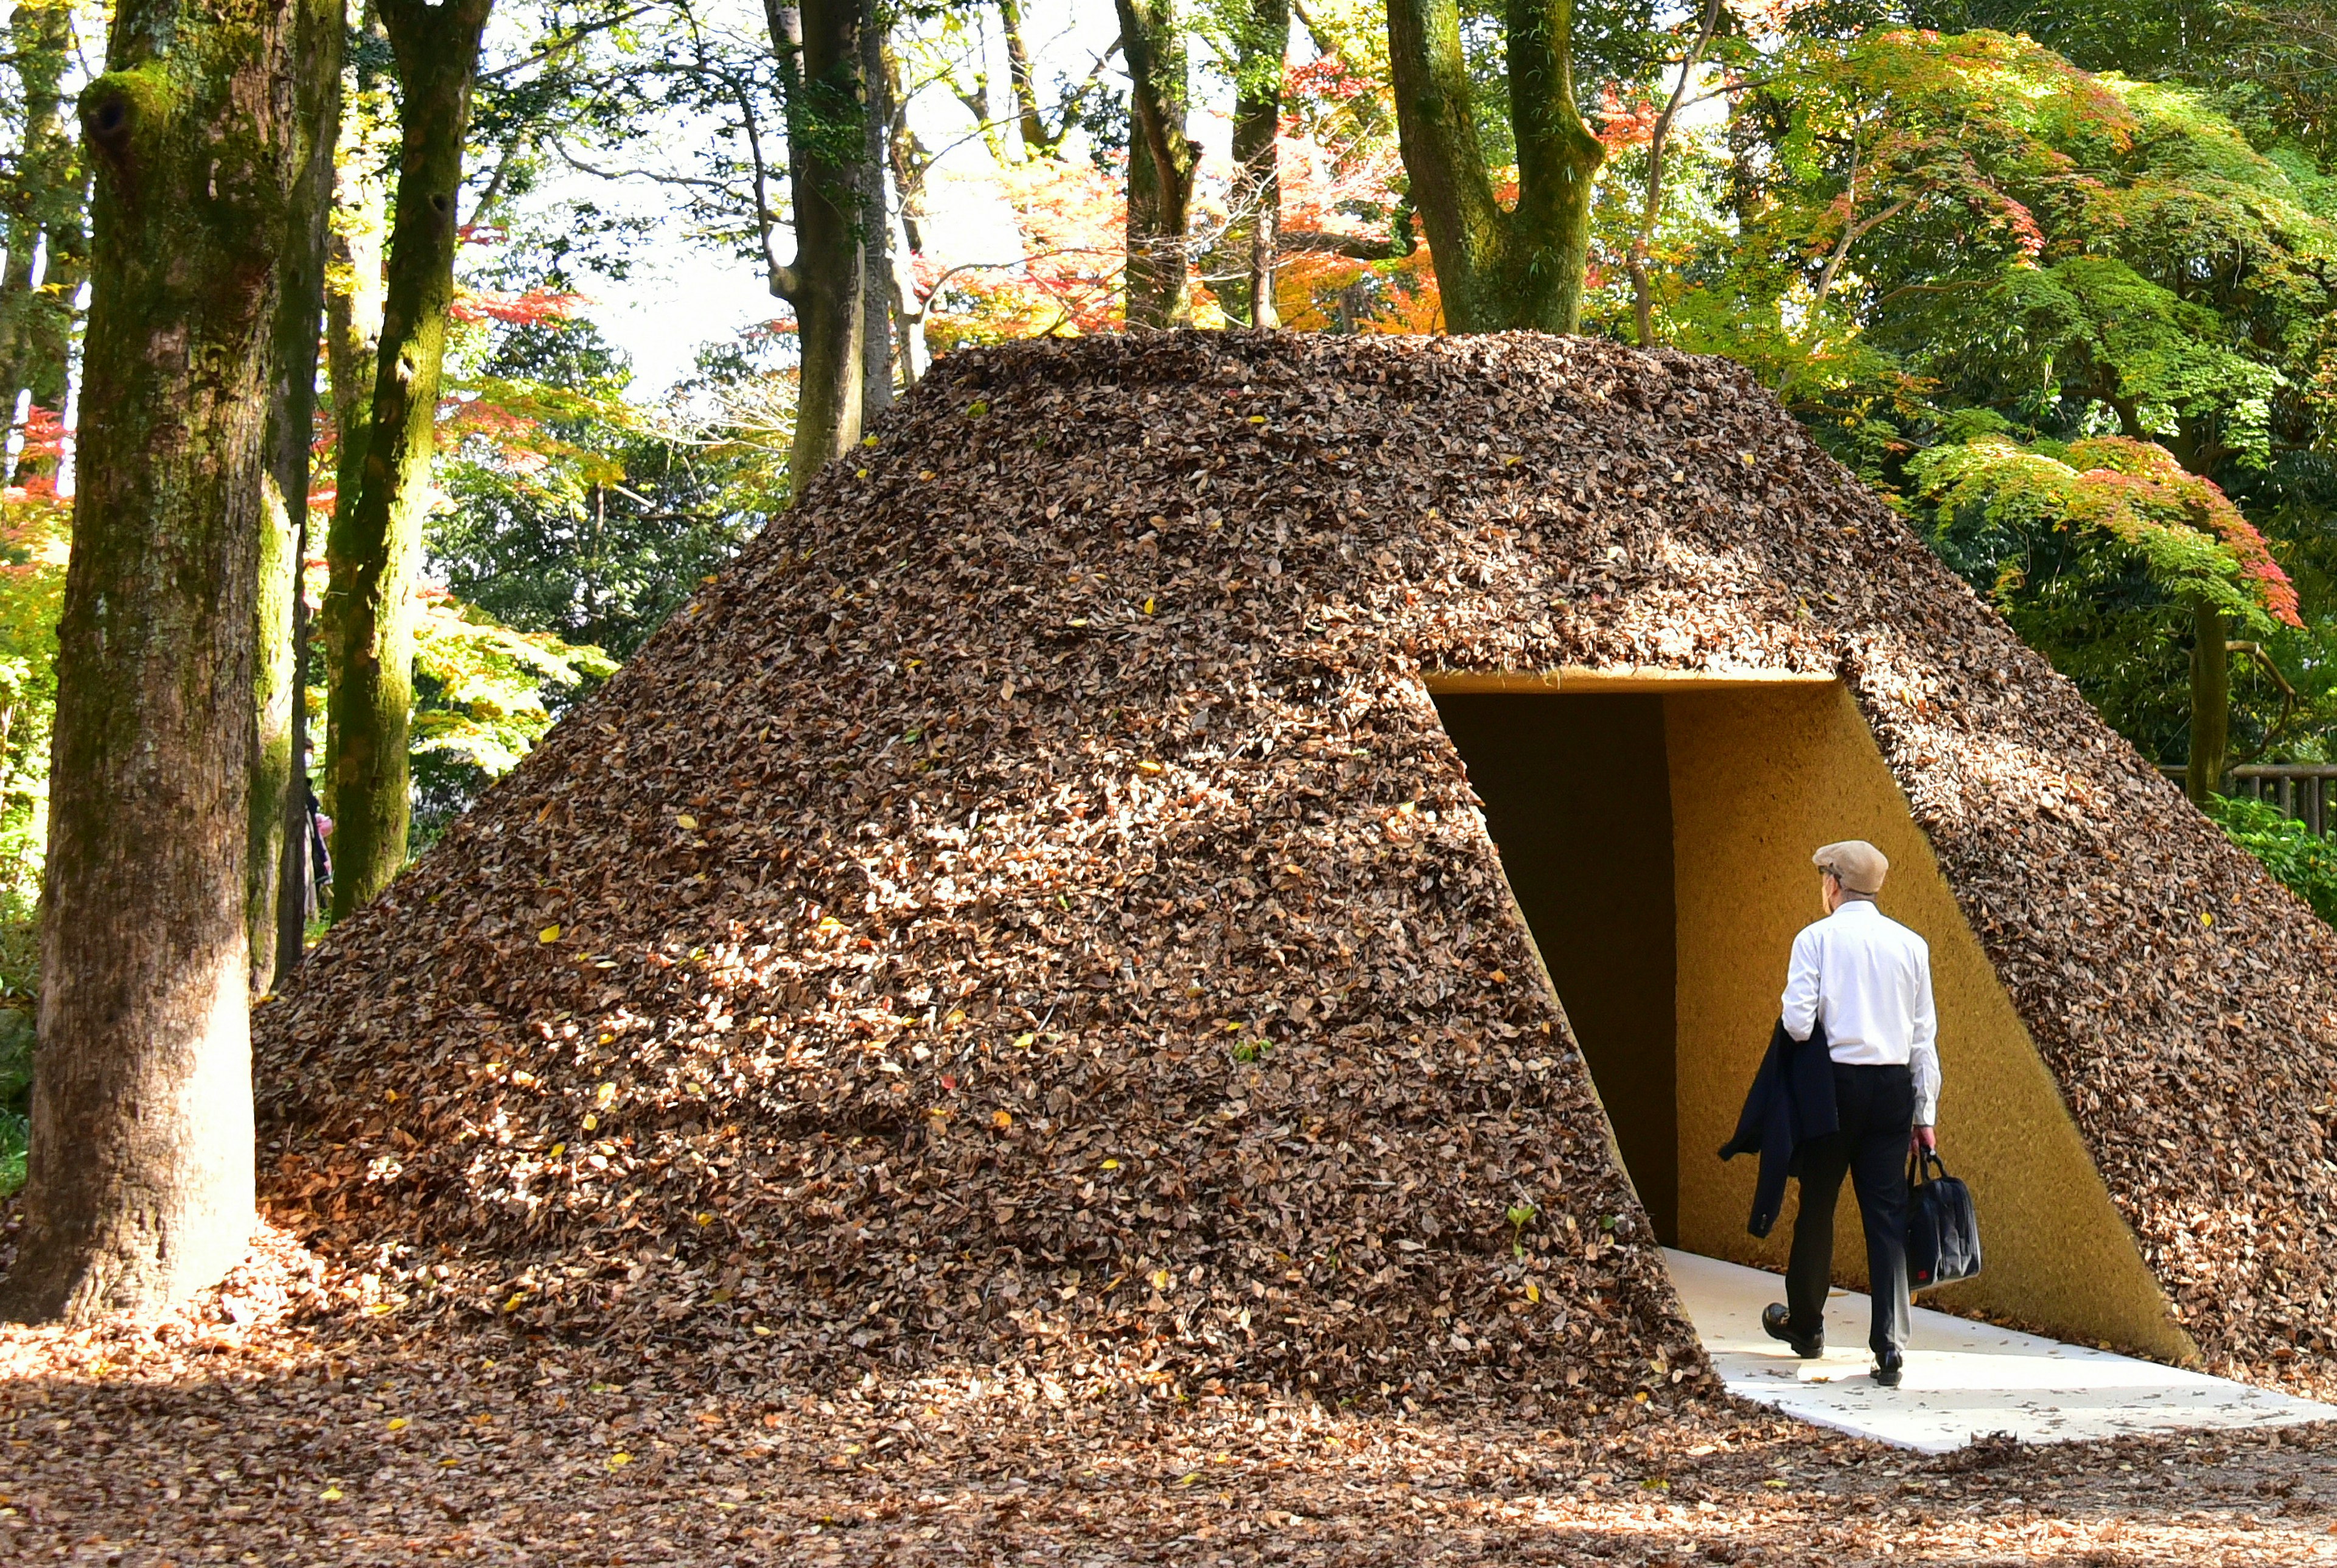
(2305, 791)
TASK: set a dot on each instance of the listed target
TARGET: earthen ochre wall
(1759, 779)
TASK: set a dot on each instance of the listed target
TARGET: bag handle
(1924, 1167)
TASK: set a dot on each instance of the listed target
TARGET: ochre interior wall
(1759, 779)
(1578, 797)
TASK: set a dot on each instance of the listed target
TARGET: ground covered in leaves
(249, 1429)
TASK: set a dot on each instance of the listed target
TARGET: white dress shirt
(1868, 978)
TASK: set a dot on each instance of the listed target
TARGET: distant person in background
(1867, 979)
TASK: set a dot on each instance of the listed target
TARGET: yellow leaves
(389, 1096)
(558, 1150)
(518, 1299)
(705, 1220)
(829, 925)
(1025, 1041)
(548, 934)
(331, 1494)
(1148, 607)
(1511, 460)
(1533, 1292)
(1257, 419)
(1110, 1165)
(604, 1094)
(397, 1423)
(1159, 1279)
(686, 823)
(1001, 1120)
(868, 440)
(1499, 979)
(591, 1123)
(693, 1087)
(620, 1459)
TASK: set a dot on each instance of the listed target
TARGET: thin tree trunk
(2211, 703)
(1262, 44)
(1497, 270)
(1161, 162)
(876, 223)
(1029, 121)
(1643, 240)
(140, 1178)
(376, 542)
(820, 60)
(42, 201)
(279, 793)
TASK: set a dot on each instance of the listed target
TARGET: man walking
(1867, 979)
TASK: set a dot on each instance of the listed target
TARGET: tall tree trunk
(374, 544)
(821, 72)
(2211, 703)
(876, 223)
(1161, 163)
(1262, 44)
(1497, 270)
(279, 785)
(141, 1186)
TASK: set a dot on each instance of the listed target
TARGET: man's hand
(1922, 1141)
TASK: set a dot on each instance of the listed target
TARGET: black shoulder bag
(1943, 1231)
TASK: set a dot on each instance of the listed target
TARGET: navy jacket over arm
(1791, 1103)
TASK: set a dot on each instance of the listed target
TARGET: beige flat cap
(1855, 864)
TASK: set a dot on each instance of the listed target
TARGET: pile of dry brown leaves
(1026, 913)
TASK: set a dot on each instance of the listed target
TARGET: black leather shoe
(1808, 1347)
(1887, 1372)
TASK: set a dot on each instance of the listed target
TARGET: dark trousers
(1877, 1108)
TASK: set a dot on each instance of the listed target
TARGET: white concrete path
(1964, 1380)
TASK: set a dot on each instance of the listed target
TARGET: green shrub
(16, 1035)
(2291, 851)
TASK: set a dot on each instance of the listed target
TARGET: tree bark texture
(279, 742)
(821, 66)
(2211, 703)
(876, 227)
(140, 1179)
(1496, 268)
(1162, 160)
(374, 544)
(1262, 44)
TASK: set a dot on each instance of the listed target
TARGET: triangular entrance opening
(1656, 834)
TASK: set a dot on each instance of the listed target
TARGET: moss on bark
(374, 544)
(141, 1172)
(1497, 267)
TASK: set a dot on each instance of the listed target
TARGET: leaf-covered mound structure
(1028, 912)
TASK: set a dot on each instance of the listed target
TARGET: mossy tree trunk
(2211, 703)
(1261, 46)
(140, 1178)
(1162, 160)
(823, 75)
(374, 544)
(1497, 267)
(276, 879)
